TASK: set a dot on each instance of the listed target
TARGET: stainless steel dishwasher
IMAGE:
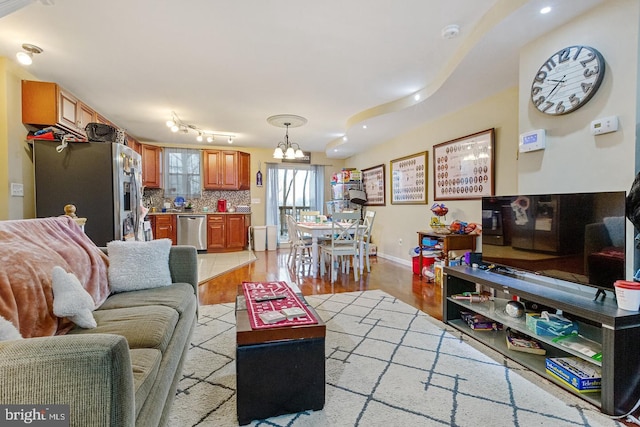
(192, 230)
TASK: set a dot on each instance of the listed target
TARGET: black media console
(600, 320)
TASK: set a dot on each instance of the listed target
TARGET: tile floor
(212, 265)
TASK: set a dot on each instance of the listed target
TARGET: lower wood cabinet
(164, 227)
(227, 232)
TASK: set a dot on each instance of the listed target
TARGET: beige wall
(15, 153)
(396, 225)
(574, 160)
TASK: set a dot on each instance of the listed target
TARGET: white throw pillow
(8, 332)
(138, 265)
(71, 300)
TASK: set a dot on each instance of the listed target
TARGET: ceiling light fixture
(450, 31)
(26, 57)
(177, 125)
(545, 9)
(286, 150)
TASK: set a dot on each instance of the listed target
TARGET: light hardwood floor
(395, 279)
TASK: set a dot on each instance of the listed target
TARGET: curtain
(317, 190)
(273, 190)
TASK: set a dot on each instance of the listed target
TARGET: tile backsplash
(154, 198)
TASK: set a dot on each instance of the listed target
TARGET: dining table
(324, 229)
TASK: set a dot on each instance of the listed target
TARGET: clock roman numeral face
(567, 80)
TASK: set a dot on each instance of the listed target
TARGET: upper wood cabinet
(226, 170)
(133, 144)
(151, 166)
(47, 104)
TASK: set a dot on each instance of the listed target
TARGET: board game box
(577, 374)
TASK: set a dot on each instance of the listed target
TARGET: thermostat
(532, 141)
(606, 125)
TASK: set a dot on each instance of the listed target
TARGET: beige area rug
(387, 364)
(213, 265)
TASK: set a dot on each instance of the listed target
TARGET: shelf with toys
(445, 238)
(342, 184)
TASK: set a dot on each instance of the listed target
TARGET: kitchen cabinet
(47, 104)
(227, 232)
(151, 166)
(164, 227)
(133, 144)
(226, 170)
(599, 320)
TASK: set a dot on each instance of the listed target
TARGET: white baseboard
(402, 261)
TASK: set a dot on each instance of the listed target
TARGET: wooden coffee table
(279, 370)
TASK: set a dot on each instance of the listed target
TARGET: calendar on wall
(373, 182)
(409, 179)
(463, 168)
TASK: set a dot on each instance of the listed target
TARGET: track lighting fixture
(177, 125)
(26, 57)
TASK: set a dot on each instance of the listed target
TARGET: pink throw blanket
(29, 249)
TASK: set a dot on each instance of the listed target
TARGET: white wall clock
(567, 80)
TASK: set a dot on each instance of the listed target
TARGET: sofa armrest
(183, 263)
(92, 373)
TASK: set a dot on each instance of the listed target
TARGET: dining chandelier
(177, 125)
(287, 149)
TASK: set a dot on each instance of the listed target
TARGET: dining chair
(344, 244)
(366, 237)
(300, 248)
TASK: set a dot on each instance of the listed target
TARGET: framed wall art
(463, 168)
(373, 182)
(409, 179)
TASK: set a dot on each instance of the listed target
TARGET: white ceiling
(227, 65)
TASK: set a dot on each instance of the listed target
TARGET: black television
(578, 237)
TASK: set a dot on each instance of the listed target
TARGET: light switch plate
(17, 189)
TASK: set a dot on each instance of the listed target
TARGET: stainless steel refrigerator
(103, 181)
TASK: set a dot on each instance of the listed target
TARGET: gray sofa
(122, 373)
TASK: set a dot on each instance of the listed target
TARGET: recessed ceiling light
(344, 138)
(416, 97)
(364, 126)
(545, 9)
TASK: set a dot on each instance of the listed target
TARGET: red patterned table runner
(253, 290)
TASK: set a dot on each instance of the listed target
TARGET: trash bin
(259, 237)
(272, 237)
